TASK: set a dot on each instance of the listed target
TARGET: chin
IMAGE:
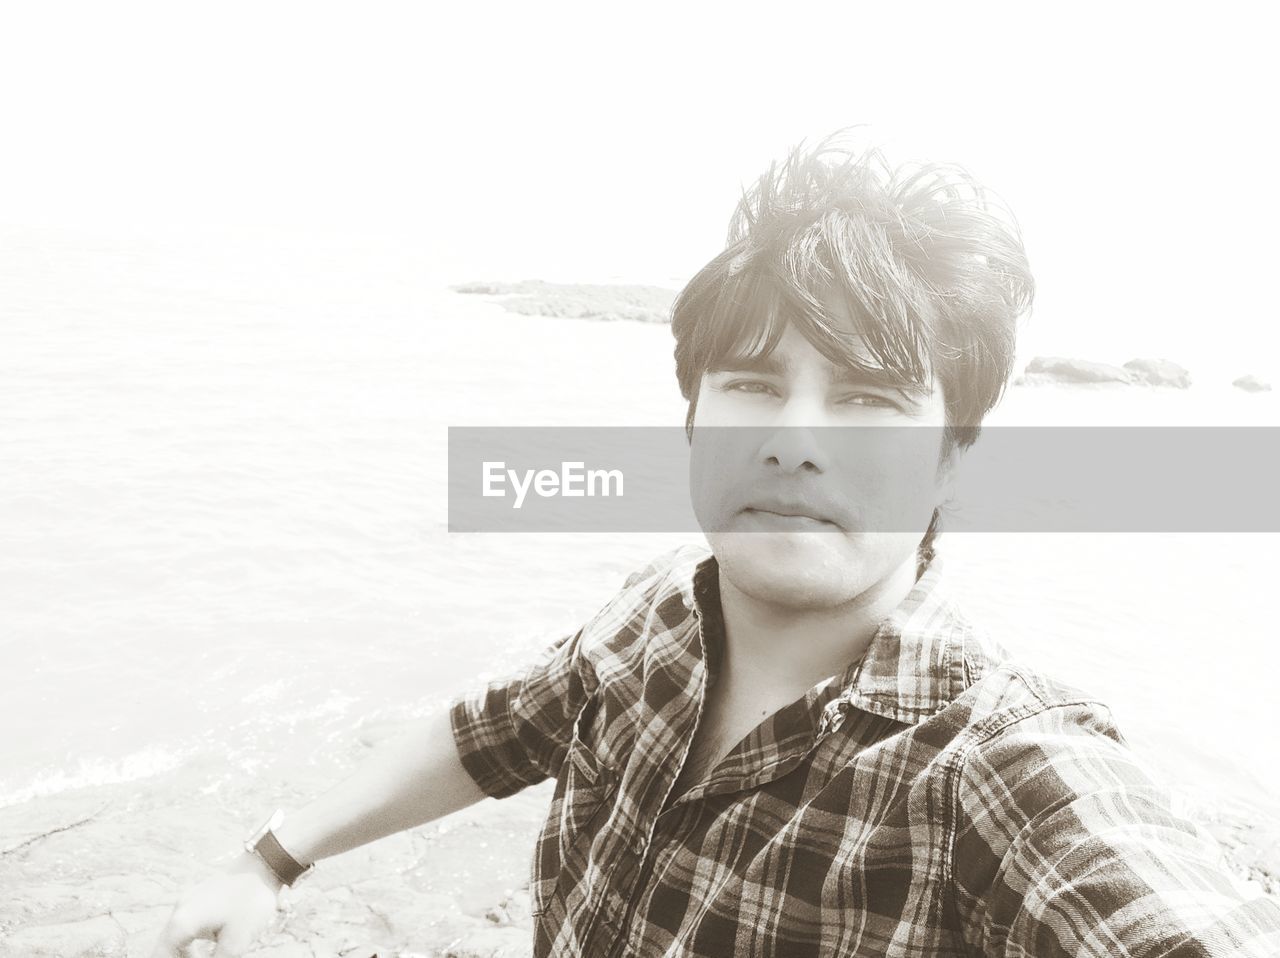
(814, 570)
(809, 570)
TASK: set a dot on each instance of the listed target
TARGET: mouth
(779, 519)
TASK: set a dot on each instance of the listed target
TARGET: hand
(233, 908)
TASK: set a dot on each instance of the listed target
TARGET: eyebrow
(773, 365)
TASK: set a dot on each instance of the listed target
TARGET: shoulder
(1043, 768)
(1005, 692)
(1059, 829)
(1028, 743)
(1043, 744)
(662, 586)
(654, 600)
(669, 572)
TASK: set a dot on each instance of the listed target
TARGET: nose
(793, 449)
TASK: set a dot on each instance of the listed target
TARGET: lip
(796, 512)
(786, 520)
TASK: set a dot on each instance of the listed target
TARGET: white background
(1135, 141)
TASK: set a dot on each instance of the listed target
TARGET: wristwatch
(267, 847)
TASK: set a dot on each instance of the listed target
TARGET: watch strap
(287, 868)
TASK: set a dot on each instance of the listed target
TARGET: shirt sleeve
(1065, 846)
(515, 732)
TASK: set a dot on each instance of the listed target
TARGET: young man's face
(813, 504)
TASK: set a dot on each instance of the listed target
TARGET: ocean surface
(223, 519)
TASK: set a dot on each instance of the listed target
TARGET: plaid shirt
(932, 800)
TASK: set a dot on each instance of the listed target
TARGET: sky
(585, 141)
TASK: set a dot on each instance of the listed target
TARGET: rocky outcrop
(1069, 371)
(644, 304)
(1056, 369)
(1252, 384)
(1159, 372)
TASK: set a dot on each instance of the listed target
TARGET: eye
(870, 399)
(752, 387)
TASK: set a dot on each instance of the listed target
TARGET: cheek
(704, 405)
(894, 485)
(715, 461)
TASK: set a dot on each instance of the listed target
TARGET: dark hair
(930, 267)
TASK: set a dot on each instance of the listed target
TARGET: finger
(183, 929)
(173, 947)
(173, 940)
(233, 941)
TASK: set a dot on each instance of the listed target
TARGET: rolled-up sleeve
(1065, 846)
(515, 732)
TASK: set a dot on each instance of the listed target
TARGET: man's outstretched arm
(493, 741)
(1065, 846)
(412, 780)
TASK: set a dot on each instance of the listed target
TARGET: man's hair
(930, 268)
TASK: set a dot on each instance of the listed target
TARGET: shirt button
(639, 843)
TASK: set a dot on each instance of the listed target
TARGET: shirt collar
(922, 657)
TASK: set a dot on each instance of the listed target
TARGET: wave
(89, 772)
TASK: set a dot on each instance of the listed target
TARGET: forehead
(757, 312)
(793, 357)
(789, 353)
(793, 351)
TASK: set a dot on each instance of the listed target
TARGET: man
(796, 744)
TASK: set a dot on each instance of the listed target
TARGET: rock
(295, 949)
(1055, 369)
(100, 937)
(515, 909)
(64, 891)
(142, 926)
(1252, 384)
(605, 302)
(1159, 372)
(493, 943)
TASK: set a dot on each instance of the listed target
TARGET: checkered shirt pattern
(934, 799)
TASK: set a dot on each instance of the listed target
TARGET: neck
(787, 651)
